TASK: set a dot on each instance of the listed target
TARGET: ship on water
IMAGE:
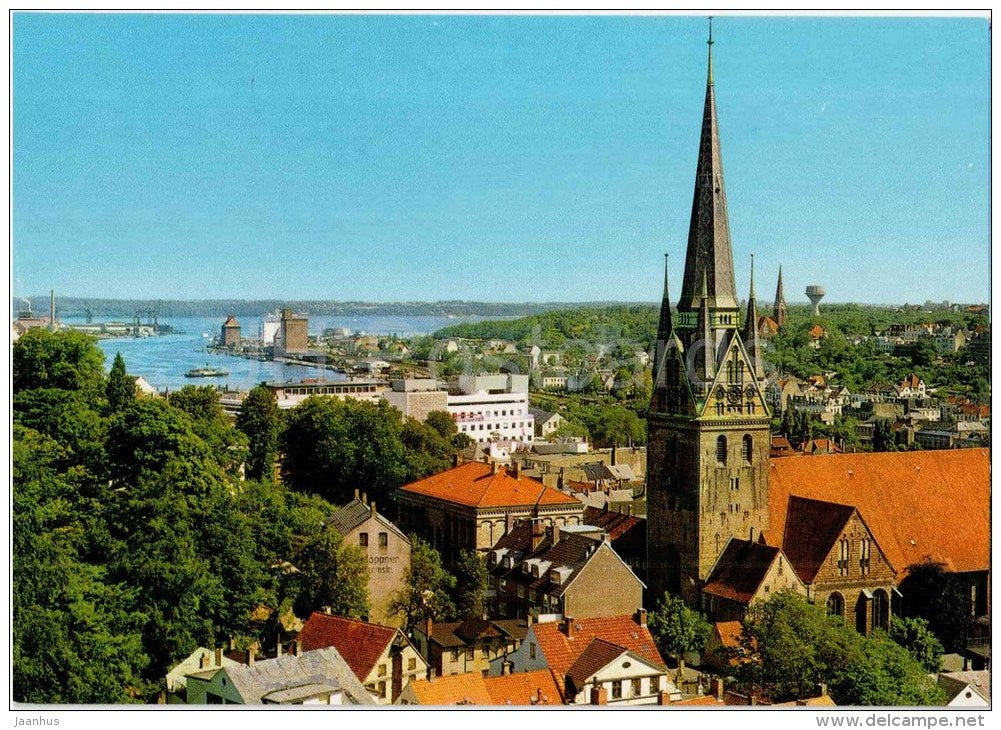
(206, 373)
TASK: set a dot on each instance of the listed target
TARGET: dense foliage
(427, 591)
(677, 629)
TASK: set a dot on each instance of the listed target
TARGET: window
(637, 688)
(617, 689)
(382, 670)
(740, 372)
(843, 557)
(382, 690)
(363, 539)
(780, 565)
(383, 539)
(455, 655)
(721, 451)
(411, 664)
(469, 653)
(531, 650)
(748, 448)
(864, 555)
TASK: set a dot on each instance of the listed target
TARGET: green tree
(677, 629)
(882, 436)
(915, 635)
(260, 420)
(65, 360)
(427, 588)
(121, 388)
(333, 574)
(942, 599)
(443, 423)
(471, 581)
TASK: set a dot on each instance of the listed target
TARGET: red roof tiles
(360, 643)
(475, 485)
(919, 505)
(525, 688)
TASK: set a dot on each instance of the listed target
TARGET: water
(163, 360)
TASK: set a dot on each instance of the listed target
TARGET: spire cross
(752, 275)
(710, 42)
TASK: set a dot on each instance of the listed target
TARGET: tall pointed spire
(709, 230)
(750, 334)
(707, 347)
(779, 315)
(664, 328)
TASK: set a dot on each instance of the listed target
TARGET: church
(727, 525)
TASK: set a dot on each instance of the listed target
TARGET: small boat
(206, 373)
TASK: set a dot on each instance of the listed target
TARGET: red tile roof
(360, 643)
(615, 524)
(473, 484)
(729, 633)
(740, 569)
(816, 332)
(562, 651)
(812, 529)
(706, 700)
(598, 654)
(524, 688)
(919, 505)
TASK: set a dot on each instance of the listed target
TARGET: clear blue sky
(493, 158)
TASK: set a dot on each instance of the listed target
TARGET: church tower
(708, 425)
(779, 314)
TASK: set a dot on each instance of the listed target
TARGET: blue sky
(508, 158)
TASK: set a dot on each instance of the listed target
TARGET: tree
(677, 629)
(427, 588)
(471, 580)
(915, 635)
(443, 423)
(65, 360)
(333, 574)
(260, 420)
(882, 436)
(121, 388)
(942, 599)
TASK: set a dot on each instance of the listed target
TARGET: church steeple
(779, 314)
(664, 327)
(750, 333)
(709, 231)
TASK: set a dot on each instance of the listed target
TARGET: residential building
(200, 660)
(417, 397)
(320, 677)
(473, 505)
(912, 387)
(230, 336)
(727, 647)
(492, 408)
(966, 689)
(381, 657)
(604, 660)
(546, 423)
(386, 549)
(746, 573)
(542, 569)
(526, 688)
(459, 647)
(291, 394)
(554, 381)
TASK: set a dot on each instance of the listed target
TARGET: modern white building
(492, 408)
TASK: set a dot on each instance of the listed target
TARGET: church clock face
(734, 395)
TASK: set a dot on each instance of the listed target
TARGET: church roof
(709, 230)
(740, 570)
(919, 505)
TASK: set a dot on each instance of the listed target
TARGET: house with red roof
(746, 573)
(381, 657)
(473, 505)
(605, 660)
(473, 688)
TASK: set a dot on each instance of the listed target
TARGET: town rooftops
(562, 646)
(740, 569)
(616, 524)
(598, 654)
(811, 530)
(462, 633)
(524, 688)
(355, 513)
(919, 505)
(953, 683)
(359, 643)
(475, 484)
(269, 680)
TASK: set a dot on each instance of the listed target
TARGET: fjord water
(164, 359)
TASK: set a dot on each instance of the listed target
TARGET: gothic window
(740, 372)
(835, 604)
(880, 610)
(843, 557)
(720, 408)
(721, 451)
(729, 372)
(864, 545)
(748, 448)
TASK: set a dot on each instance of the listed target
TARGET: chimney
(428, 627)
(364, 497)
(250, 657)
(372, 507)
(556, 534)
(641, 617)
(517, 470)
(613, 455)
(203, 661)
(567, 627)
(663, 698)
(599, 695)
(232, 643)
(328, 610)
(538, 533)
(357, 494)
(297, 648)
(218, 656)
(508, 522)
(716, 688)
(493, 467)
(506, 668)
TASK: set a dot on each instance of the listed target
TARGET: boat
(206, 373)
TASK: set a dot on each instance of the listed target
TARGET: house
(767, 327)
(320, 677)
(554, 381)
(603, 660)
(626, 533)
(459, 647)
(966, 689)
(381, 657)
(939, 512)
(473, 505)
(746, 573)
(911, 387)
(727, 647)
(780, 446)
(526, 688)
(816, 334)
(779, 391)
(546, 423)
(819, 446)
(200, 660)
(386, 549)
(572, 570)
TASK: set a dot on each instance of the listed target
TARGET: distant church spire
(709, 231)
(750, 334)
(779, 315)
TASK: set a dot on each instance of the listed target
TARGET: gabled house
(320, 677)
(458, 647)
(606, 660)
(386, 549)
(381, 657)
(626, 533)
(966, 689)
(540, 569)
(744, 574)
(473, 688)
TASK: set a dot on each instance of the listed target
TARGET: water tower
(815, 293)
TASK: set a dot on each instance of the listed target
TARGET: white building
(492, 408)
(289, 395)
